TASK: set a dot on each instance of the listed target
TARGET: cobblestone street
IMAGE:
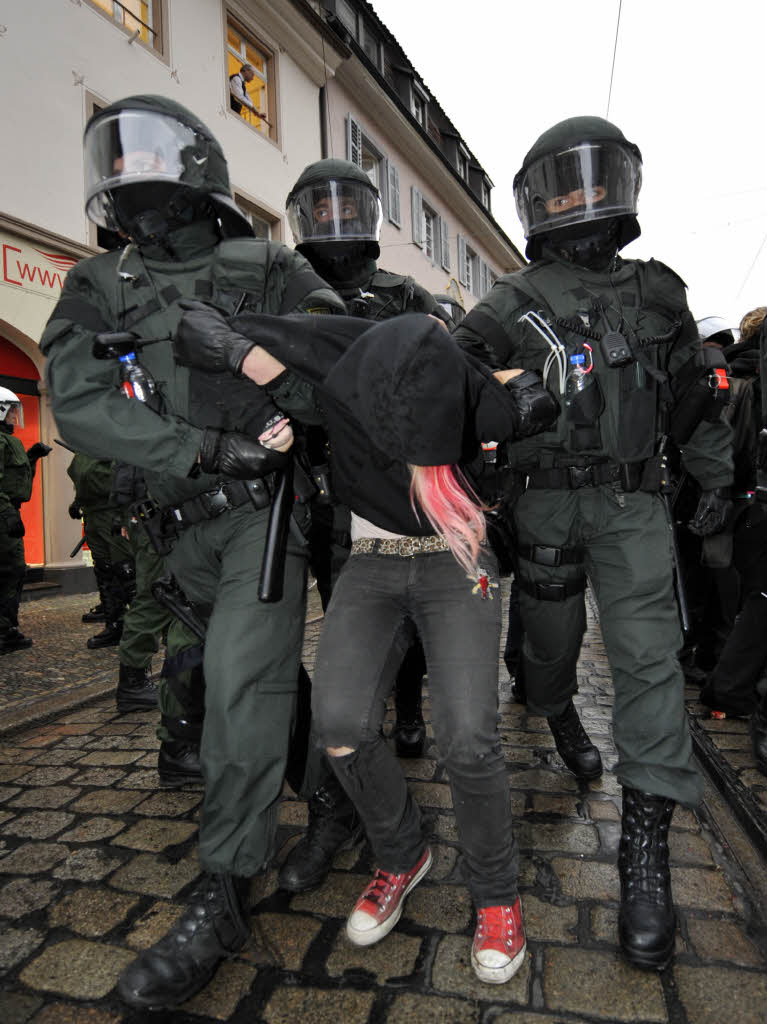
(95, 861)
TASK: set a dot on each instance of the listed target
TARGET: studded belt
(406, 547)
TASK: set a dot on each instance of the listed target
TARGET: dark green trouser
(13, 566)
(145, 619)
(628, 562)
(179, 698)
(252, 653)
(105, 546)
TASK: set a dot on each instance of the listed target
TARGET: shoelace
(379, 890)
(496, 923)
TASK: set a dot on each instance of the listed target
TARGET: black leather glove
(74, 510)
(204, 340)
(713, 513)
(227, 453)
(14, 526)
(38, 451)
(536, 408)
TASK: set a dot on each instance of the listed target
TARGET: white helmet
(11, 410)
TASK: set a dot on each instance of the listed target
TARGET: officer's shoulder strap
(661, 285)
(400, 284)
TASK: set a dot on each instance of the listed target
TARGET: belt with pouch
(228, 495)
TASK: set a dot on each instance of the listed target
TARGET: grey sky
(688, 89)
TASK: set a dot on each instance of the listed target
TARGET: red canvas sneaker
(380, 906)
(499, 943)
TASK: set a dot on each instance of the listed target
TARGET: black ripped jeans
(363, 640)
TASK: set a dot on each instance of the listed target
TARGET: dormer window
(462, 162)
(419, 103)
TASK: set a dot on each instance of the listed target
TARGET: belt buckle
(544, 555)
(215, 502)
(580, 476)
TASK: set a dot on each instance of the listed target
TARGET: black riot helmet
(581, 178)
(334, 211)
(151, 165)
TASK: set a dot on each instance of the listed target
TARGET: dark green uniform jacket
(651, 300)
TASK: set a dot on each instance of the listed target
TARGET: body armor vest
(16, 480)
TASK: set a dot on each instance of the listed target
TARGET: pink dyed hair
(452, 508)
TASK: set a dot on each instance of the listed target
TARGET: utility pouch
(701, 390)
(652, 474)
(162, 535)
(321, 477)
(585, 406)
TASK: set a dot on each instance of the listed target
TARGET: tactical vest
(16, 479)
(389, 295)
(239, 275)
(650, 299)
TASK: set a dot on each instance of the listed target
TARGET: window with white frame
(141, 18)
(418, 105)
(362, 151)
(462, 163)
(255, 100)
(430, 232)
(265, 224)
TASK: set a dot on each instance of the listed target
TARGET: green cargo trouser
(252, 653)
(627, 557)
(180, 700)
(105, 546)
(13, 567)
(145, 619)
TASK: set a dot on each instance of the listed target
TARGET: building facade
(329, 79)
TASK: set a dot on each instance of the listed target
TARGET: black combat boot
(758, 729)
(574, 746)
(135, 692)
(333, 826)
(646, 921)
(178, 764)
(12, 639)
(114, 611)
(214, 925)
(94, 614)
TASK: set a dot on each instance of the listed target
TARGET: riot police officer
(615, 340)
(16, 473)
(334, 211)
(155, 172)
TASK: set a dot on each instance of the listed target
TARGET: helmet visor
(335, 211)
(133, 146)
(589, 181)
(12, 413)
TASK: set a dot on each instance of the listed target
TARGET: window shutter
(353, 141)
(444, 244)
(393, 176)
(462, 276)
(416, 210)
(484, 287)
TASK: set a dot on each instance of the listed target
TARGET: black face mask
(592, 245)
(149, 212)
(341, 263)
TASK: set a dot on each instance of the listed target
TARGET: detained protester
(155, 173)
(404, 410)
(334, 211)
(616, 342)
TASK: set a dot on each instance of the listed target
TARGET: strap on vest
(542, 554)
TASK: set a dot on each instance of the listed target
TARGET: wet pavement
(95, 861)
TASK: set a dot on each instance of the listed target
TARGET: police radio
(615, 349)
